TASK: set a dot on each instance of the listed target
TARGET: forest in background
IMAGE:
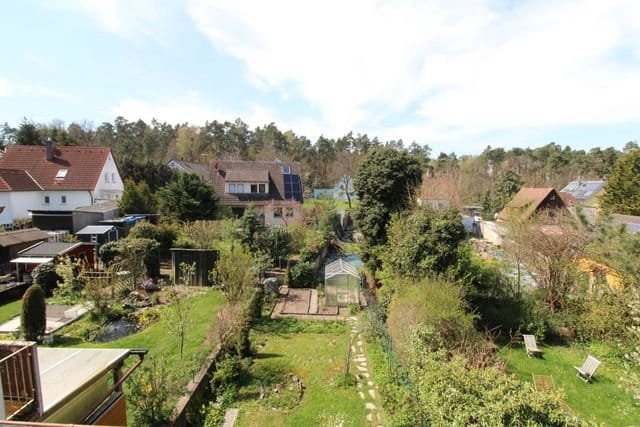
(324, 161)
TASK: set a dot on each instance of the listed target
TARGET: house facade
(273, 189)
(50, 181)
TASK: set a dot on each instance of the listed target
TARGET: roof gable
(83, 164)
(529, 200)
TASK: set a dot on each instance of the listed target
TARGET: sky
(454, 75)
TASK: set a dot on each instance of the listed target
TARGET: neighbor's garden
(445, 338)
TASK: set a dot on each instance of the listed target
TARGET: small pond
(117, 329)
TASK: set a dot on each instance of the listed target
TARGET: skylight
(62, 173)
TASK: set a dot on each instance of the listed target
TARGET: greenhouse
(341, 284)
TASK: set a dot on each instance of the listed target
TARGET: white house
(53, 181)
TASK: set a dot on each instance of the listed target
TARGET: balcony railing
(20, 379)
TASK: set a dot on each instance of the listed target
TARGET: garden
(299, 376)
(603, 401)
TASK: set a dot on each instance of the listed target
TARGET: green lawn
(603, 402)
(156, 338)
(318, 359)
(10, 309)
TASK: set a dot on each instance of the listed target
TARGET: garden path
(367, 389)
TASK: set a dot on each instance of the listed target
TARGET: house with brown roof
(273, 189)
(46, 183)
(532, 200)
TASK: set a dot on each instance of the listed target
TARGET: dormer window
(46, 200)
(286, 169)
(62, 173)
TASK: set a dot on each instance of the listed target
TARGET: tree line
(323, 162)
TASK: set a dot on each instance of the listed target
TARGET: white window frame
(113, 177)
(263, 186)
(286, 169)
(106, 177)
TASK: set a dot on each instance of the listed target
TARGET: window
(288, 211)
(232, 188)
(277, 212)
(286, 169)
(62, 173)
(254, 188)
(113, 177)
(63, 200)
(106, 177)
(46, 200)
(239, 188)
(262, 188)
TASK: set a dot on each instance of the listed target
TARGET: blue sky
(456, 75)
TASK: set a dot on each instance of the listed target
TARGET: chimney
(49, 148)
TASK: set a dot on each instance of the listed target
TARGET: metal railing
(18, 372)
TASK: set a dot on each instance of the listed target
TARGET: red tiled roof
(84, 165)
(17, 180)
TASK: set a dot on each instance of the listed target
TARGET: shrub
(606, 317)
(275, 241)
(303, 275)
(354, 309)
(34, 320)
(313, 247)
(45, 276)
(108, 252)
(69, 286)
(150, 388)
(434, 304)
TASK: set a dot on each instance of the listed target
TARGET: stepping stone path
(363, 381)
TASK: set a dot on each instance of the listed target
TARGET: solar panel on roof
(292, 187)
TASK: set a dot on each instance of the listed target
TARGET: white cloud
(136, 20)
(442, 70)
(11, 88)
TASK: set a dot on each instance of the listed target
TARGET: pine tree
(622, 192)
